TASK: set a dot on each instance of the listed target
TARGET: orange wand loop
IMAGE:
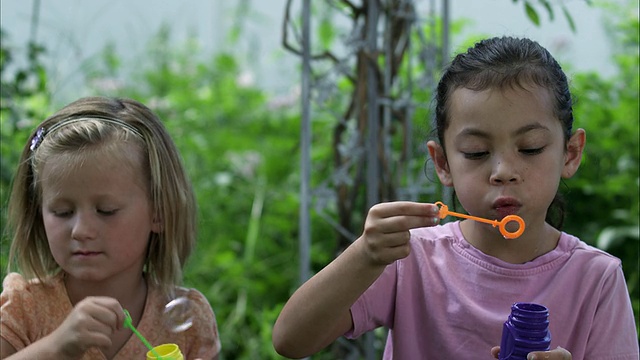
(444, 212)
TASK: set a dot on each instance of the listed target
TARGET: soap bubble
(178, 315)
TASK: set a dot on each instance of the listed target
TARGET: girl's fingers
(495, 351)
(393, 240)
(390, 255)
(400, 223)
(106, 311)
(396, 208)
(556, 354)
(386, 232)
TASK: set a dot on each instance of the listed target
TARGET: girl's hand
(557, 354)
(386, 231)
(91, 323)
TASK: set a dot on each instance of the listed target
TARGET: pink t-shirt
(448, 300)
(31, 310)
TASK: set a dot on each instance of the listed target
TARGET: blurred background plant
(241, 146)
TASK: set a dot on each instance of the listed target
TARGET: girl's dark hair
(503, 62)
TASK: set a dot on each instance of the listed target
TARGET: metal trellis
(386, 56)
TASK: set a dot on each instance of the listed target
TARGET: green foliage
(604, 194)
(241, 150)
(233, 146)
(532, 12)
(24, 101)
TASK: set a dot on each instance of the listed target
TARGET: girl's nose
(84, 227)
(505, 172)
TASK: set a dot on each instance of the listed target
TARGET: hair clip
(37, 139)
(40, 134)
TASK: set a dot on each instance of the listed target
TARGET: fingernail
(435, 220)
(531, 357)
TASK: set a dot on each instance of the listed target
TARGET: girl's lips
(86, 253)
(506, 206)
(507, 210)
(505, 201)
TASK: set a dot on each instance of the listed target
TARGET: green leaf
(326, 33)
(532, 14)
(547, 6)
(569, 18)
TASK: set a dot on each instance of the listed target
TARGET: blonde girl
(103, 218)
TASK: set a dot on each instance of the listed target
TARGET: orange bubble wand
(502, 224)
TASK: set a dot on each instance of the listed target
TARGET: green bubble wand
(128, 323)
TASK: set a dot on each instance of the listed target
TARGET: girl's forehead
(501, 109)
(501, 99)
(123, 158)
(508, 91)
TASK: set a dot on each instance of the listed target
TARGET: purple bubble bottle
(526, 330)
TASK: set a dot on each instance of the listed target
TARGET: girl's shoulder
(197, 300)
(191, 293)
(17, 284)
(31, 307)
(589, 255)
(14, 281)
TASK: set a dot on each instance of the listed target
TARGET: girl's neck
(536, 241)
(130, 292)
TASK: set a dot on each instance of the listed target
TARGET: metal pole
(411, 182)
(447, 192)
(35, 21)
(305, 141)
(445, 31)
(373, 172)
(386, 95)
(372, 148)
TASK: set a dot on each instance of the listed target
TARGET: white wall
(75, 31)
(586, 49)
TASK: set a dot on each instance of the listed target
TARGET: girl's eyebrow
(475, 132)
(472, 132)
(531, 127)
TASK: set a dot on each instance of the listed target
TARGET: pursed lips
(506, 206)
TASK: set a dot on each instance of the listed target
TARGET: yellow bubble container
(166, 352)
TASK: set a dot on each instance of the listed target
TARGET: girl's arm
(6, 349)
(91, 323)
(42, 349)
(319, 311)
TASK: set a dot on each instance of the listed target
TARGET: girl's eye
(106, 212)
(63, 213)
(534, 151)
(475, 155)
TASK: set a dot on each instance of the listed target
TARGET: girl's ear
(573, 154)
(440, 161)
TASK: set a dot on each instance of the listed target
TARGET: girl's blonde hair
(104, 123)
